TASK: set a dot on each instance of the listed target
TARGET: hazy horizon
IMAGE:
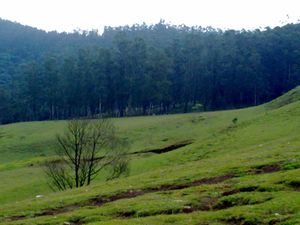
(66, 16)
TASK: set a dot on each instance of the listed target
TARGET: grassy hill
(246, 172)
(289, 97)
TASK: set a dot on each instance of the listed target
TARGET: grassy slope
(264, 135)
(289, 97)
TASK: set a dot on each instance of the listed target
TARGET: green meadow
(238, 167)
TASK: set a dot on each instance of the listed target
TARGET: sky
(69, 15)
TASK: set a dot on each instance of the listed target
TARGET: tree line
(143, 70)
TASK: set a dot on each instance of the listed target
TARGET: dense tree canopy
(142, 70)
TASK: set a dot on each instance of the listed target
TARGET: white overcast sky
(67, 15)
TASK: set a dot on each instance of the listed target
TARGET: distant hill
(19, 43)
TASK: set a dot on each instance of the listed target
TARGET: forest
(142, 70)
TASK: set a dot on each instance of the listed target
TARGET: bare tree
(59, 176)
(86, 148)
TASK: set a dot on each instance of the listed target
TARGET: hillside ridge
(285, 99)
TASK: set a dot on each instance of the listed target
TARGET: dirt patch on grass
(239, 190)
(123, 195)
(265, 169)
(231, 192)
(74, 222)
(211, 180)
(127, 214)
(248, 188)
(229, 201)
(238, 220)
(52, 212)
(13, 218)
(295, 184)
(168, 148)
(165, 149)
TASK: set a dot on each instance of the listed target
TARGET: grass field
(246, 172)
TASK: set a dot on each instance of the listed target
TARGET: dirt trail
(99, 201)
(265, 169)
(166, 149)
